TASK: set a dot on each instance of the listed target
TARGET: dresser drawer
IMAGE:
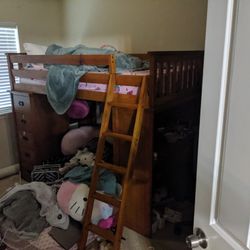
(27, 165)
(28, 156)
(21, 102)
(26, 140)
(26, 174)
(23, 121)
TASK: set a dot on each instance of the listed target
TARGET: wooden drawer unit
(21, 102)
(39, 130)
(24, 121)
(26, 139)
(28, 157)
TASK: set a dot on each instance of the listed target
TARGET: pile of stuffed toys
(73, 193)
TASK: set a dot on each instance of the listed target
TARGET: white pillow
(34, 49)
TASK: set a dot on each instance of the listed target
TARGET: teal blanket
(82, 174)
(63, 80)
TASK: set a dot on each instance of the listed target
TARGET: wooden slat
(29, 88)
(178, 54)
(118, 136)
(107, 199)
(100, 96)
(129, 80)
(35, 74)
(123, 105)
(159, 81)
(91, 95)
(102, 78)
(132, 99)
(106, 234)
(98, 60)
(46, 59)
(114, 168)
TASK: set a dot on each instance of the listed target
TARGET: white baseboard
(10, 170)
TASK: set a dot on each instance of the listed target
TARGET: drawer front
(28, 156)
(26, 174)
(21, 102)
(26, 164)
(26, 140)
(23, 122)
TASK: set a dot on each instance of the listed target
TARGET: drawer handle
(21, 103)
(23, 119)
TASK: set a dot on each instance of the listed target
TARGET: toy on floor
(72, 199)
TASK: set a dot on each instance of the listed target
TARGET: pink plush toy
(77, 138)
(79, 109)
(107, 223)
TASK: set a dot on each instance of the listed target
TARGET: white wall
(39, 21)
(136, 25)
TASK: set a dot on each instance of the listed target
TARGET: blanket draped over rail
(63, 80)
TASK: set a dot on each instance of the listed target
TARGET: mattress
(97, 87)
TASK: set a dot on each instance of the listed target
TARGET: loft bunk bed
(174, 78)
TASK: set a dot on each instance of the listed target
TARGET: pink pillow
(79, 109)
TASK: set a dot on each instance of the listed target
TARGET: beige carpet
(9, 182)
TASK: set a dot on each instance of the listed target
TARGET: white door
(222, 207)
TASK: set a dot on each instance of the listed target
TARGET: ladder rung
(104, 233)
(111, 167)
(107, 199)
(124, 105)
(119, 136)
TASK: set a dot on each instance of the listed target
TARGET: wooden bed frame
(175, 79)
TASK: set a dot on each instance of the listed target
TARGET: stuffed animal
(77, 138)
(78, 109)
(72, 199)
(86, 157)
(82, 157)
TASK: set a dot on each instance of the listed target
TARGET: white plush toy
(82, 157)
(86, 158)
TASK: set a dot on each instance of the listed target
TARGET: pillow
(77, 138)
(35, 49)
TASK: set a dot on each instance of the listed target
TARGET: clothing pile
(29, 208)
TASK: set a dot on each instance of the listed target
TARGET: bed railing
(18, 61)
(174, 75)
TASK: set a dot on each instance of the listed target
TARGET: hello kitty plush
(72, 199)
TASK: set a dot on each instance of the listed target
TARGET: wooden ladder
(125, 171)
